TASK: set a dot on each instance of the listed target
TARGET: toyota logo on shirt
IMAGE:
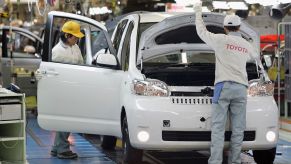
(236, 48)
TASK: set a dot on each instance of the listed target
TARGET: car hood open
(178, 33)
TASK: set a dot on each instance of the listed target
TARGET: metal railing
(284, 51)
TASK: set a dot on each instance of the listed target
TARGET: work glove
(197, 6)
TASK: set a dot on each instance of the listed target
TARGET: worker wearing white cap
(230, 93)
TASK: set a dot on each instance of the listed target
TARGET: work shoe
(53, 153)
(67, 155)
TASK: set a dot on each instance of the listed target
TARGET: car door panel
(80, 97)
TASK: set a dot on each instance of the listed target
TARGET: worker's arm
(208, 37)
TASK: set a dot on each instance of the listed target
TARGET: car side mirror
(29, 49)
(106, 60)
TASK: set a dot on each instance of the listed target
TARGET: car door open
(79, 97)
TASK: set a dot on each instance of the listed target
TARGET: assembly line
(145, 82)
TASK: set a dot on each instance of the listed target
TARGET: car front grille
(201, 135)
(191, 100)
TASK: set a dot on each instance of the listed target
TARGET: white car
(151, 86)
(18, 66)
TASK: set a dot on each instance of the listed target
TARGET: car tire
(264, 156)
(131, 155)
(108, 142)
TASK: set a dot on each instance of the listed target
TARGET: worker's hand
(198, 6)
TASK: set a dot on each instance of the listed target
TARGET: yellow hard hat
(73, 28)
(4, 14)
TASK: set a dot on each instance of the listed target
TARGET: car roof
(22, 30)
(145, 17)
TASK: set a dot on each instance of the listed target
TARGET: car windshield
(142, 28)
(98, 41)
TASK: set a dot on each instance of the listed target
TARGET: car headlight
(260, 88)
(150, 87)
(271, 136)
(143, 136)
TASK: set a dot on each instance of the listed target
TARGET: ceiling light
(220, 5)
(251, 1)
(22, 1)
(237, 5)
(267, 2)
(99, 10)
(184, 2)
(285, 1)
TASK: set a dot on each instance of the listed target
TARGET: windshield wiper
(200, 64)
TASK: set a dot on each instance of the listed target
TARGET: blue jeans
(232, 99)
(61, 143)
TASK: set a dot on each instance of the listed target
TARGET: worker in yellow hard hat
(66, 51)
(4, 15)
(72, 27)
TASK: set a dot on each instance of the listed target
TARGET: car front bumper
(185, 126)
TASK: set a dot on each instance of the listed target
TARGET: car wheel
(108, 142)
(264, 156)
(130, 155)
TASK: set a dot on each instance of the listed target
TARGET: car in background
(21, 56)
(151, 85)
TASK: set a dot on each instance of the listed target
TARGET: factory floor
(39, 142)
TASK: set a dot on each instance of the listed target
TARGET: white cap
(231, 20)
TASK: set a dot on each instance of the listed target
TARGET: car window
(142, 28)
(126, 48)
(92, 34)
(98, 42)
(118, 34)
(21, 46)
